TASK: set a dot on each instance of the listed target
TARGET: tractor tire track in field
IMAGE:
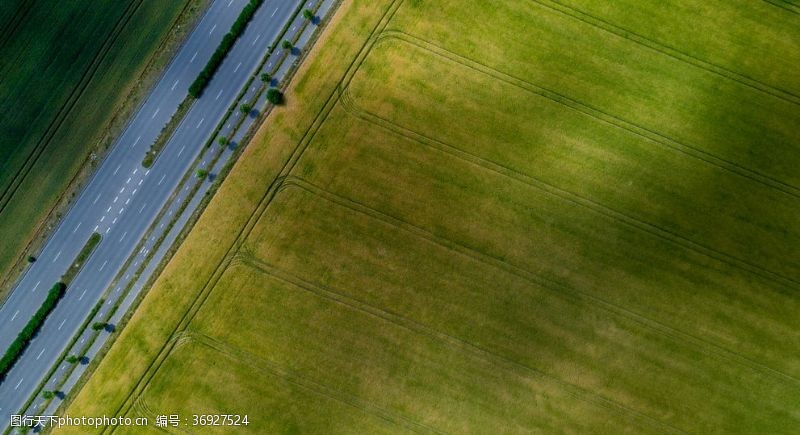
(451, 341)
(742, 79)
(74, 96)
(20, 15)
(260, 209)
(263, 365)
(764, 272)
(704, 346)
(785, 5)
(605, 117)
(615, 215)
(578, 200)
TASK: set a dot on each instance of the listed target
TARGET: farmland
(68, 70)
(523, 215)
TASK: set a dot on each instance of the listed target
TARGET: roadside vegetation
(237, 28)
(31, 328)
(488, 218)
(66, 90)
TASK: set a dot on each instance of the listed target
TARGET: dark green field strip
(30, 329)
(85, 126)
(661, 94)
(784, 74)
(649, 273)
(48, 76)
(12, 14)
(689, 204)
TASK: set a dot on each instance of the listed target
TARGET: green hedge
(224, 46)
(24, 337)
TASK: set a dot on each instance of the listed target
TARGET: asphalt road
(123, 198)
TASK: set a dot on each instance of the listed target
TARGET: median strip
(166, 132)
(87, 250)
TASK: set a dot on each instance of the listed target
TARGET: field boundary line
(703, 345)
(740, 78)
(288, 375)
(665, 234)
(20, 15)
(785, 5)
(8, 192)
(260, 208)
(613, 120)
(452, 341)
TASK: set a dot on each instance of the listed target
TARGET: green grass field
(498, 217)
(67, 68)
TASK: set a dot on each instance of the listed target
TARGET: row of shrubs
(224, 46)
(24, 337)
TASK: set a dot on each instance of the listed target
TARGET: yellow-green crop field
(505, 216)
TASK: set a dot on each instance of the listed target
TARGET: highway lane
(112, 298)
(123, 198)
